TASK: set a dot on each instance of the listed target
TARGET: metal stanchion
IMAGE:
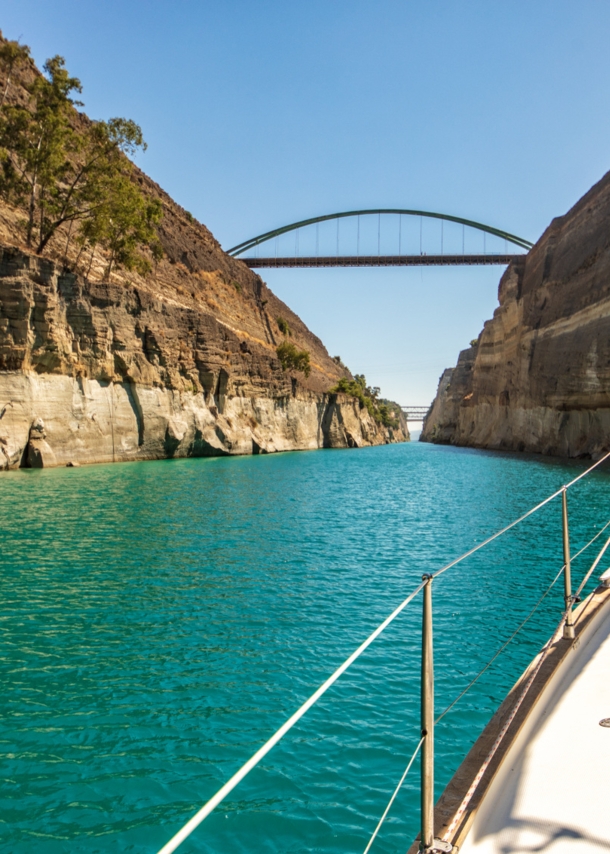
(568, 628)
(427, 721)
(428, 841)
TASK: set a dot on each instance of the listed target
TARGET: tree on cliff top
(38, 143)
(12, 55)
(66, 172)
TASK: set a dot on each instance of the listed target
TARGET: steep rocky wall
(194, 276)
(539, 378)
(97, 366)
(109, 371)
(48, 420)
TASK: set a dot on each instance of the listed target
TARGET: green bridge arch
(488, 229)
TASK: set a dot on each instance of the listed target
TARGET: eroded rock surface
(98, 366)
(539, 379)
(113, 371)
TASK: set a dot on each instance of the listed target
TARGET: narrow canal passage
(160, 620)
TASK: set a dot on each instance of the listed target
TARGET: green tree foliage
(12, 55)
(283, 326)
(291, 358)
(368, 397)
(70, 172)
(38, 140)
(121, 223)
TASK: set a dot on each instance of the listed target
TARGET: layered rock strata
(117, 371)
(539, 378)
(97, 367)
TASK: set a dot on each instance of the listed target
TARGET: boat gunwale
(450, 801)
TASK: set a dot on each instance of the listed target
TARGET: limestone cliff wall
(539, 378)
(117, 371)
(97, 366)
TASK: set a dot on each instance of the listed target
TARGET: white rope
(396, 790)
(491, 661)
(531, 614)
(465, 691)
(221, 794)
(468, 797)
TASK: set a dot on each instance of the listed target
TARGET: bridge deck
(381, 260)
(415, 413)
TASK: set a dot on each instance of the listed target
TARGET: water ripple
(160, 620)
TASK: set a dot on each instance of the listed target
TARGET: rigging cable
(473, 786)
(221, 794)
(543, 653)
(490, 662)
(593, 566)
(396, 790)
(503, 647)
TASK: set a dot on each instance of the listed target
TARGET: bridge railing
(429, 841)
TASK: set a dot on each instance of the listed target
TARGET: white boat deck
(551, 793)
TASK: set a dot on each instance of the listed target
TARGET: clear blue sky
(261, 113)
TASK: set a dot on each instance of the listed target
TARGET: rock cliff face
(539, 378)
(116, 371)
(180, 362)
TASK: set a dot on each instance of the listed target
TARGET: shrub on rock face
(368, 398)
(293, 359)
(282, 325)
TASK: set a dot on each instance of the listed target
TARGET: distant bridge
(413, 250)
(415, 413)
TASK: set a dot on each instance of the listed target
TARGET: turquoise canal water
(160, 620)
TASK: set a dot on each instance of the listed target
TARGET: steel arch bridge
(383, 260)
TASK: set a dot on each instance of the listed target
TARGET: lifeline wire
(391, 801)
(591, 541)
(468, 797)
(503, 647)
(534, 609)
(491, 661)
(520, 519)
(473, 787)
(593, 566)
(477, 780)
(221, 794)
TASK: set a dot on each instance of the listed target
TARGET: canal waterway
(160, 620)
